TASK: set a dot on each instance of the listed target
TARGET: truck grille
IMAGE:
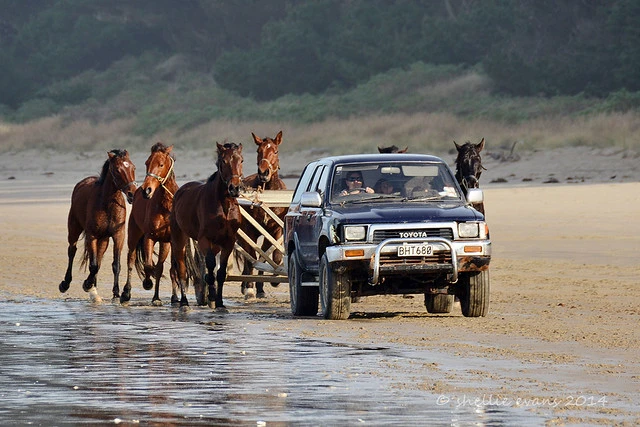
(380, 235)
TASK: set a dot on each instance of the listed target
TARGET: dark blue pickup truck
(375, 224)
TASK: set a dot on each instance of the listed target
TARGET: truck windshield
(407, 181)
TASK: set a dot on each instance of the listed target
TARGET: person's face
(386, 187)
(354, 180)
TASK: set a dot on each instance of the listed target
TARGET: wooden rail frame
(266, 200)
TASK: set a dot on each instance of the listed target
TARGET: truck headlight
(470, 230)
(355, 232)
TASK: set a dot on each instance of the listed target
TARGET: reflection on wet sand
(72, 362)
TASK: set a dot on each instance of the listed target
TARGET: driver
(355, 184)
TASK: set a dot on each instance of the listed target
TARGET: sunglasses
(354, 179)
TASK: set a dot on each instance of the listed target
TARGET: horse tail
(193, 263)
(85, 254)
(140, 258)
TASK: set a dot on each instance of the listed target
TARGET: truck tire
(438, 303)
(335, 292)
(474, 294)
(304, 299)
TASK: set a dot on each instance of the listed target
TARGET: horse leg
(75, 230)
(134, 234)
(118, 243)
(178, 247)
(91, 253)
(221, 276)
(248, 287)
(210, 261)
(162, 256)
(149, 268)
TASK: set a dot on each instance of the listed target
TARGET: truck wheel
(335, 292)
(438, 303)
(474, 294)
(304, 299)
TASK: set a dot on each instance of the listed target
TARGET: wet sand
(560, 338)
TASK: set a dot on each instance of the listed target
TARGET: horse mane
(212, 177)
(392, 149)
(105, 167)
(159, 146)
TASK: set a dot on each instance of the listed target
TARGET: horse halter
(166, 177)
(272, 169)
(115, 180)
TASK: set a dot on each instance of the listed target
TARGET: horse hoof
(94, 297)
(147, 284)
(275, 284)
(221, 309)
(261, 295)
(156, 303)
(64, 286)
(184, 308)
(87, 285)
(249, 293)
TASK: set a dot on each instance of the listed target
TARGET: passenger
(355, 184)
(383, 186)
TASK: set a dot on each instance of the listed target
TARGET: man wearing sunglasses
(355, 184)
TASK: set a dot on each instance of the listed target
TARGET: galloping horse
(469, 167)
(208, 213)
(392, 149)
(149, 223)
(98, 210)
(267, 178)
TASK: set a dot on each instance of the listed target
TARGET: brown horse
(392, 149)
(149, 223)
(99, 211)
(209, 214)
(266, 178)
(469, 167)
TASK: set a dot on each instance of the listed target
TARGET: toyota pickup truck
(346, 237)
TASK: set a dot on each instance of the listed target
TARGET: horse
(266, 178)
(98, 211)
(392, 149)
(469, 167)
(149, 223)
(209, 214)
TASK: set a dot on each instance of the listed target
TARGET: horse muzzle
(234, 190)
(147, 193)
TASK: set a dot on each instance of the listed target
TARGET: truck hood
(405, 213)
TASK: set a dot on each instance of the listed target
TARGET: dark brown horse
(99, 211)
(149, 223)
(469, 167)
(392, 149)
(266, 178)
(209, 214)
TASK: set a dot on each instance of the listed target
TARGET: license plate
(415, 250)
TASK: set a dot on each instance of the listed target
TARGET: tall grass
(424, 107)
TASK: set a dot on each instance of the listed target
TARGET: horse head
(469, 164)
(123, 172)
(268, 160)
(159, 168)
(230, 166)
(392, 149)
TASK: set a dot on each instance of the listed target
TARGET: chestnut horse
(149, 223)
(98, 211)
(469, 167)
(392, 149)
(209, 214)
(266, 178)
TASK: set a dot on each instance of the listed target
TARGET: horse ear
(220, 146)
(405, 150)
(380, 150)
(256, 139)
(169, 148)
(457, 146)
(111, 154)
(480, 145)
(278, 139)
(240, 147)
